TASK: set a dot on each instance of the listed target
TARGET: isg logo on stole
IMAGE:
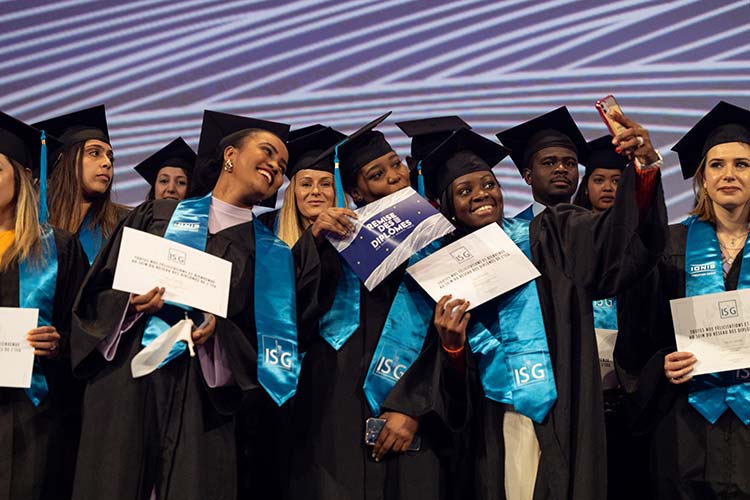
(528, 369)
(388, 364)
(279, 352)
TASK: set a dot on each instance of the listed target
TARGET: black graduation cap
(462, 153)
(303, 131)
(601, 154)
(556, 128)
(354, 152)
(427, 134)
(305, 150)
(78, 126)
(724, 123)
(23, 143)
(175, 154)
(215, 127)
(360, 148)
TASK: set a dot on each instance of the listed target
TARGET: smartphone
(605, 106)
(373, 426)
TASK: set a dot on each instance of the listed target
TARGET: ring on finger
(640, 140)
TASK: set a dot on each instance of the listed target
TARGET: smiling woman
(184, 425)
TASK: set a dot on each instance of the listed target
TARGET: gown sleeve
(607, 252)
(98, 310)
(318, 270)
(646, 336)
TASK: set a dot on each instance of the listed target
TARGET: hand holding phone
(373, 428)
(606, 107)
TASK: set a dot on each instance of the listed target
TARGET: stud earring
(228, 166)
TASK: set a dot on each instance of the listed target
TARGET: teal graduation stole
(91, 238)
(514, 365)
(712, 394)
(342, 319)
(526, 214)
(36, 286)
(402, 337)
(275, 306)
(605, 314)
(275, 315)
(188, 226)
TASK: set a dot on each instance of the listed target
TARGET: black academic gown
(167, 430)
(329, 458)
(581, 257)
(38, 444)
(690, 458)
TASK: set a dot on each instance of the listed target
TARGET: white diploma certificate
(716, 328)
(190, 277)
(16, 355)
(477, 268)
(605, 342)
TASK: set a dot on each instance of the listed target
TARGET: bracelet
(452, 353)
(658, 163)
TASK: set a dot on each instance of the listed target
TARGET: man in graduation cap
(168, 171)
(40, 268)
(546, 151)
(699, 425)
(170, 433)
(426, 134)
(546, 438)
(81, 178)
(342, 331)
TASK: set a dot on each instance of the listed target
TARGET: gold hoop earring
(228, 166)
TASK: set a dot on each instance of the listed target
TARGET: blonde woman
(311, 188)
(80, 195)
(700, 442)
(40, 268)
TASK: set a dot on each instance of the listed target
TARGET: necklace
(735, 241)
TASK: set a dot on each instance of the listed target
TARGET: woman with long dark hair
(80, 186)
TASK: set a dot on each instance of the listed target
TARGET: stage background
(158, 64)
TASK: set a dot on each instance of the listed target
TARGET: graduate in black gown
(168, 171)
(699, 449)
(330, 457)
(39, 268)
(171, 433)
(80, 185)
(580, 256)
(627, 452)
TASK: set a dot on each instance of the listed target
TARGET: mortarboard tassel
(43, 181)
(340, 198)
(420, 180)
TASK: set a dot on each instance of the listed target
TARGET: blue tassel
(340, 198)
(43, 181)
(420, 180)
